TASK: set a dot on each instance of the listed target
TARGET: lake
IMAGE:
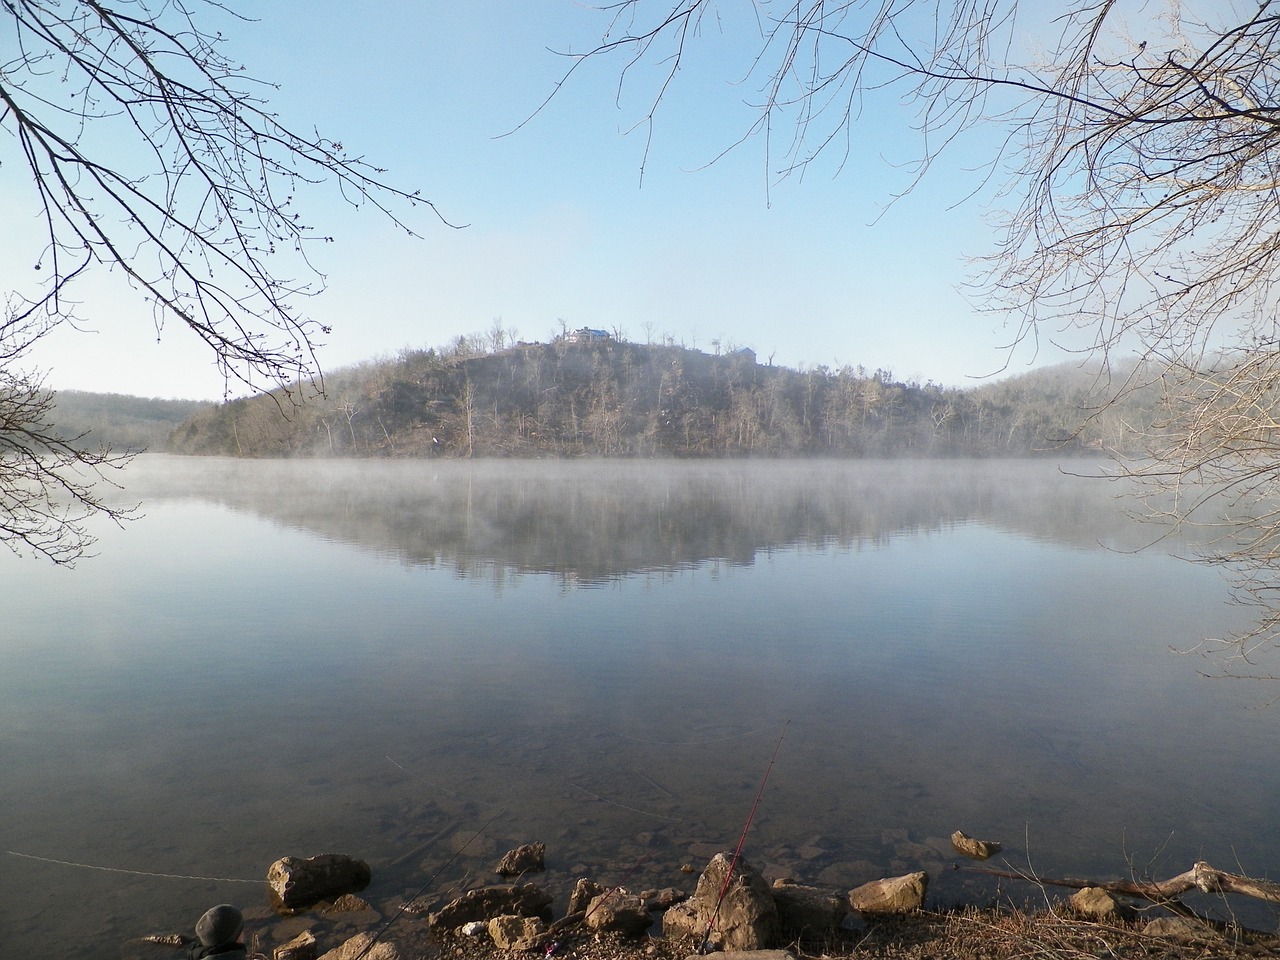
(386, 658)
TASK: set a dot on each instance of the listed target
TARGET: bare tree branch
(151, 153)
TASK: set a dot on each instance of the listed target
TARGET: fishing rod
(737, 853)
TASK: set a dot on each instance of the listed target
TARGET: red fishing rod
(737, 853)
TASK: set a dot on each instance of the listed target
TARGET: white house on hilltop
(587, 335)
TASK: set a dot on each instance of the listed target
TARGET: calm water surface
(379, 658)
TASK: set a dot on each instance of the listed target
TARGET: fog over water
(289, 658)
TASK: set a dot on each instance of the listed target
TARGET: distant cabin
(587, 335)
(745, 354)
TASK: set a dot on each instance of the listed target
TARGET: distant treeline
(609, 398)
(125, 423)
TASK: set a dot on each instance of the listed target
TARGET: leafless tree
(49, 484)
(149, 152)
(1137, 143)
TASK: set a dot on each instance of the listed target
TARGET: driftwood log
(1200, 877)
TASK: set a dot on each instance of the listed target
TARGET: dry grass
(966, 934)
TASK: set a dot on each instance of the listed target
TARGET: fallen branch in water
(1200, 877)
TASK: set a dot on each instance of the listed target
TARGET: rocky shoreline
(317, 914)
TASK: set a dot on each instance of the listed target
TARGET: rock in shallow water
(891, 895)
(297, 883)
(527, 858)
(977, 849)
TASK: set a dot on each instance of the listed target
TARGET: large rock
(358, 946)
(891, 895)
(527, 858)
(297, 884)
(584, 891)
(807, 913)
(1095, 903)
(486, 903)
(747, 918)
(618, 912)
(511, 932)
(301, 947)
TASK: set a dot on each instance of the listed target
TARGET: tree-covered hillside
(597, 396)
(122, 422)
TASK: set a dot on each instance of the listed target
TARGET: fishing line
(135, 873)
(435, 785)
(689, 743)
(737, 853)
(623, 806)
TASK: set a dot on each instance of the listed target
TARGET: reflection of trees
(589, 521)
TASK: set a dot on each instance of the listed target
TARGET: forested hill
(610, 398)
(124, 423)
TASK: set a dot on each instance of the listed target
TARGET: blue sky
(560, 226)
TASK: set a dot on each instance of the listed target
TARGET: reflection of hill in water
(590, 521)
